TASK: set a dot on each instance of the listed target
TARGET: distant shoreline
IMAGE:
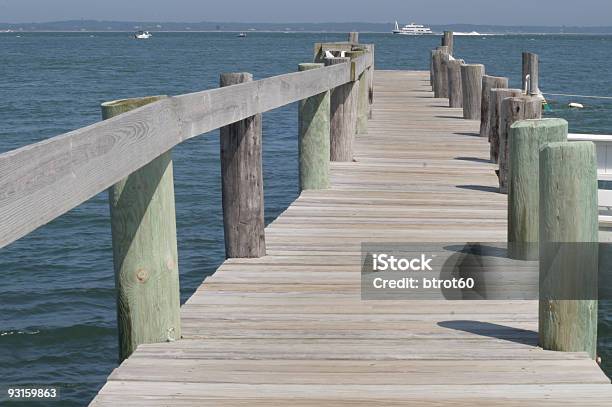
(289, 32)
(327, 27)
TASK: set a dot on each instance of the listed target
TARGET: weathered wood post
(568, 247)
(495, 100)
(512, 110)
(455, 91)
(314, 136)
(526, 138)
(353, 37)
(362, 96)
(440, 86)
(471, 82)
(447, 41)
(488, 83)
(343, 112)
(242, 182)
(371, 49)
(431, 70)
(531, 68)
(145, 254)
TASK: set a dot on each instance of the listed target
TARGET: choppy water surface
(57, 320)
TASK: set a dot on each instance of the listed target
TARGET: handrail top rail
(41, 181)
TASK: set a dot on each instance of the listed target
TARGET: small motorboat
(143, 35)
(575, 105)
(242, 35)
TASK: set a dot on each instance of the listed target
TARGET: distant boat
(242, 35)
(142, 35)
(412, 29)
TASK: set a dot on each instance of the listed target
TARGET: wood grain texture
(531, 67)
(343, 121)
(313, 138)
(290, 328)
(145, 253)
(488, 83)
(526, 138)
(455, 90)
(361, 126)
(447, 41)
(440, 70)
(242, 182)
(471, 82)
(513, 110)
(496, 97)
(44, 180)
(568, 247)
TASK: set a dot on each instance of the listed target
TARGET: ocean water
(57, 305)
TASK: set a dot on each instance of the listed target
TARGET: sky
(494, 12)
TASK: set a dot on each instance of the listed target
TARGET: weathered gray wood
(447, 41)
(440, 86)
(242, 182)
(314, 136)
(512, 110)
(343, 111)
(64, 171)
(362, 95)
(495, 100)
(471, 83)
(568, 247)
(531, 68)
(291, 328)
(455, 90)
(488, 83)
(431, 69)
(526, 138)
(145, 254)
(353, 37)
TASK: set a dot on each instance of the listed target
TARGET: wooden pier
(290, 328)
(283, 320)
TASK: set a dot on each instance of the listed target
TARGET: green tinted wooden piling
(527, 137)
(143, 225)
(314, 138)
(568, 247)
(363, 98)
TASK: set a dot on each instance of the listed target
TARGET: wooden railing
(129, 153)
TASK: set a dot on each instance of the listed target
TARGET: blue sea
(57, 319)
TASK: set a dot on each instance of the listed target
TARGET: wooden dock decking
(291, 328)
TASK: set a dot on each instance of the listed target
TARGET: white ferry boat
(412, 29)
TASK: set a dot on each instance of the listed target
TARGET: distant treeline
(93, 25)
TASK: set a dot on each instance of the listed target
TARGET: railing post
(362, 98)
(488, 83)
(440, 72)
(343, 112)
(526, 138)
(568, 247)
(471, 82)
(242, 182)
(495, 100)
(353, 37)
(447, 41)
(143, 226)
(455, 92)
(531, 67)
(314, 138)
(513, 110)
